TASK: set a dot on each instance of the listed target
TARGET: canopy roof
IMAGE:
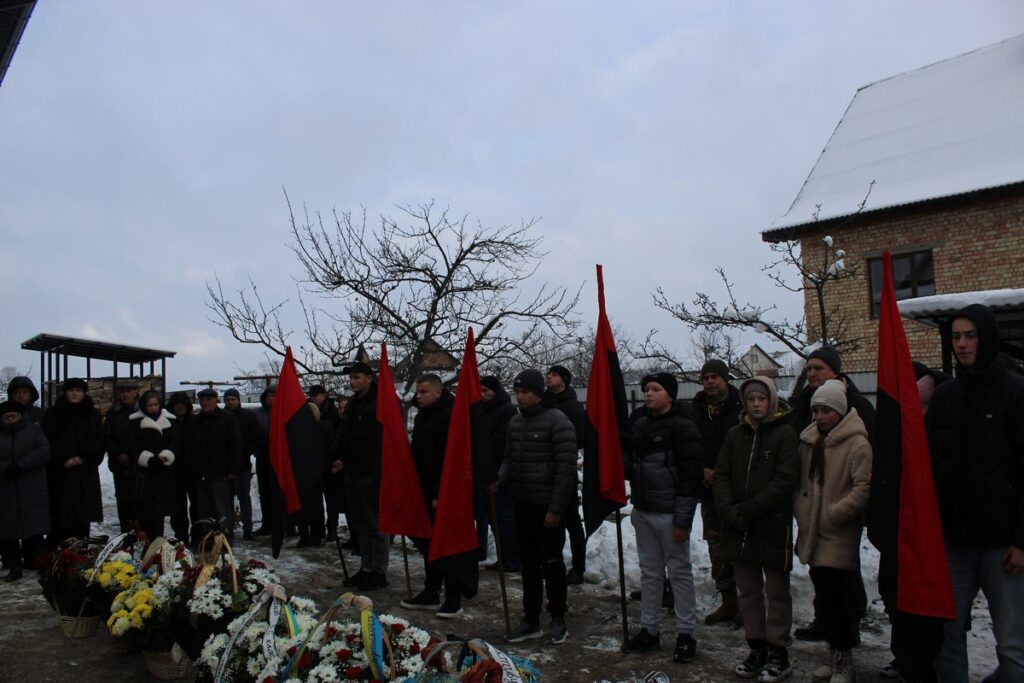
(90, 348)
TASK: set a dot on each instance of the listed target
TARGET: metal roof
(14, 15)
(90, 348)
(951, 128)
(945, 305)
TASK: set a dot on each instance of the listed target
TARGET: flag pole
(622, 578)
(341, 557)
(501, 564)
(405, 561)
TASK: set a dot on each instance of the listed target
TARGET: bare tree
(416, 283)
(817, 269)
(7, 373)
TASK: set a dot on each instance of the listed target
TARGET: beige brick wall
(976, 244)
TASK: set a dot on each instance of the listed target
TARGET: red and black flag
(398, 478)
(604, 487)
(454, 531)
(298, 446)
(903, 520)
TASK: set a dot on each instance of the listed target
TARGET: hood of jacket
(21, 382)
(988, 336)
(272, 389)
(851, 425)
(182, 398)
(776, 410)
(501, 397)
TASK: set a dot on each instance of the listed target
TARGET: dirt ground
(33, 649)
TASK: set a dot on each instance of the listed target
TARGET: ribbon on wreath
(108, 549)
(273, 594)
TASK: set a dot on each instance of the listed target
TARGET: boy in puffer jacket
(835, 483)
(665, 469)
(757, 473)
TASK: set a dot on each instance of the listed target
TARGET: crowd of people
(751, 461)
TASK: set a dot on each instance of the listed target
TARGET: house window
(913, 275)
(754, 359)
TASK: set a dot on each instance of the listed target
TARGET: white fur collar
(159, 424)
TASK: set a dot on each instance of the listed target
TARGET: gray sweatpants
(658, 552)
(374, 547)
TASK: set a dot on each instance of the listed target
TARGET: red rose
(292, 650)
(305, 661)
(414, 649)
(353, 672)
(331, 631)
(269, 679)
(343, 654)
(350, 637)
(397, 628)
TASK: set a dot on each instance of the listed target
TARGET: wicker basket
(168, 666)
(78, 627)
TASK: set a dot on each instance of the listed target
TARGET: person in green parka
(756, 476)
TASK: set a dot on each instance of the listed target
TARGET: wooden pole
(622, 578)
(405, 561)
(501, 564)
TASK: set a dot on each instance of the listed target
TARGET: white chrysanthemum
(120, 556)
(302, 604)
(212, 650)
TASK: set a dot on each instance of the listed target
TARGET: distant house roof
(951, 128)
(14, 15)
(770, 357)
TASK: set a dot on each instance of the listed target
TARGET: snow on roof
(945, 304)
(945, 129)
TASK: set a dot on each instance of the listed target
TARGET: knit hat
(11, 407)
(316, 390)
(831, 394)
(232, 393)
(127, 384)
(562, 372)
(715, 367)
(491, 382)
(208, 392)
(75, 383)
(530, 380)
(829, 356)
(666, 380)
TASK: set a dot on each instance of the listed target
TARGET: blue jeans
(971, 569)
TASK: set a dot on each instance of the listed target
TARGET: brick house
(941, 149)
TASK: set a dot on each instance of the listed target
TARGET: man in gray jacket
(540, 464)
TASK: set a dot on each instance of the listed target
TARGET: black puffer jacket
(540, 458)
(358, 435)
(569, 404)
(975, 430)
(715, 421)
(214, 444)
(664, 465)
(429, 439)
(32, 412)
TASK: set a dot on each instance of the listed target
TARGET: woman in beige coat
(830, 503)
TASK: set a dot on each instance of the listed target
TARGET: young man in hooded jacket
(562, 396)
(975, 427)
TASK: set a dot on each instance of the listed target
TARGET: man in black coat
(22, 391)
(561, 395)
(215, 445)
(975, 427)
(490, 426)
(716, 410)
(117, 430)
(249, 432)
(823, 364)
(180, 405)
(357, 452)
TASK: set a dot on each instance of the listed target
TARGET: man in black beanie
(823, 364)
(562, 396)
(540, 465)
(716, 410)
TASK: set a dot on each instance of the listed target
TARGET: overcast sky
(144, 146)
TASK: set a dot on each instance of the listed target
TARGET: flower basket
(78, 627)
(168, 666)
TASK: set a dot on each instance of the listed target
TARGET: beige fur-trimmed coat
(830, 515)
